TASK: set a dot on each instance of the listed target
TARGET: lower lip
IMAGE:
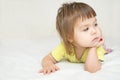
(95, 39)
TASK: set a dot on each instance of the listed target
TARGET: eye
(95, 24)
(86, 29)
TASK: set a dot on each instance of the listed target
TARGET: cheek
(82, 39)
(99, 31)
(78, 36)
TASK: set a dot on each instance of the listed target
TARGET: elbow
(92, 69)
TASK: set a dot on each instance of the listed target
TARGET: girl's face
(86, 33)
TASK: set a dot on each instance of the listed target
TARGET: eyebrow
(88, 24)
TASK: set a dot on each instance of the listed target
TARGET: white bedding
(20, 60)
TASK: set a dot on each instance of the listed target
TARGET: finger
(49, 71)
(45, 71)
(56, 68)
(101, 40)
(40, 71)
(53, 69)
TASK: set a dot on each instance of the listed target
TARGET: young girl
(81, 39)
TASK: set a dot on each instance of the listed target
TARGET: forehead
(80, 22)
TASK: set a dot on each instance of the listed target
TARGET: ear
(70, 39)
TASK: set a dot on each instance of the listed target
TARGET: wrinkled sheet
(20, 60)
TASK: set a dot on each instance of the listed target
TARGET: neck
(79, 51)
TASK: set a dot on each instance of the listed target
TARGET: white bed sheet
(20, 60)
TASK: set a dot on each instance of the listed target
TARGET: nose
(93, 30)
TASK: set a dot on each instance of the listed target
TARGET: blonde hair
(66, 19)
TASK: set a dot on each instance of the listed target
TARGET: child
(82, 39)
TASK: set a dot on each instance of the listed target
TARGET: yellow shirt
(59, 53)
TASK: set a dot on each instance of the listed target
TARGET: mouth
(96, 39)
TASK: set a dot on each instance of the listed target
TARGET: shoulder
(59, 52)
(60, 48)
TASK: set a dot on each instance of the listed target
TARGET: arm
(48, 64)
(92, 63)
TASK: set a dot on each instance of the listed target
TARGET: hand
(49, 69)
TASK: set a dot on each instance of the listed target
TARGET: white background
(32, 19)
(27, 34)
